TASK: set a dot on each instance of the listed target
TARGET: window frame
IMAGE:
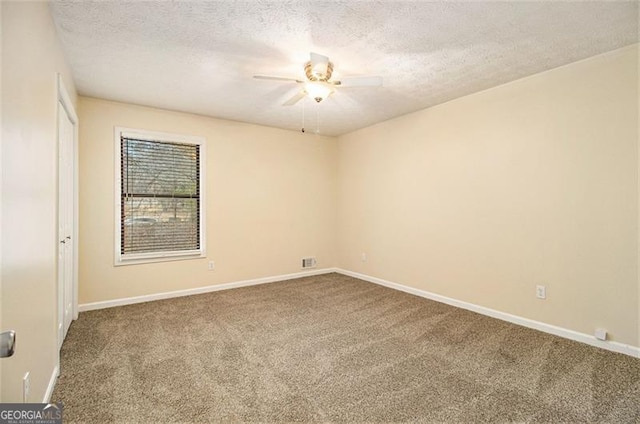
(164, 256)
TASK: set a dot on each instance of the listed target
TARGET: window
(159, 196)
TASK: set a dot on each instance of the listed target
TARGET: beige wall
(479, 199)
(482, 198)
(31, 59)
(270, 200)
(638, 123)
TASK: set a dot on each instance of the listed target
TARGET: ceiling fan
(318, 83)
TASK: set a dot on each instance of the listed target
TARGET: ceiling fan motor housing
(315, 75)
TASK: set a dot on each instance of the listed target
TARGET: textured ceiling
(199, 57)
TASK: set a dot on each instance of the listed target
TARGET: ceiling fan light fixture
(317, 90)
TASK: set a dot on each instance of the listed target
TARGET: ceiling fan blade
(269, 77)
(295, 99)
(319, 63)
(375, 81)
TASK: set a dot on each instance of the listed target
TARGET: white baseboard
(52, 384)
(199, 290)
(525, 322)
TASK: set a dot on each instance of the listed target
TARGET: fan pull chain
(317, 118)
(304, 103)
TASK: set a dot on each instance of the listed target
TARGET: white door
(66, 133)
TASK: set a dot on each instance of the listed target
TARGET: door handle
(7, 343)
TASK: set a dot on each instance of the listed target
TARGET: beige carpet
(331, 348)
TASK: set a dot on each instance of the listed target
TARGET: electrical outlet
(26, 387)
(364, 257)
(541, 292)
(211, 265)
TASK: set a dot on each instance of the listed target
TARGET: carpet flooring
(331, 348)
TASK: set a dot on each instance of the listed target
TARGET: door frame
(64, 100)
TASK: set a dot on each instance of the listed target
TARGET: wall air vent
(309, 262)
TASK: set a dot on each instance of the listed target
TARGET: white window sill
(155, 258)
